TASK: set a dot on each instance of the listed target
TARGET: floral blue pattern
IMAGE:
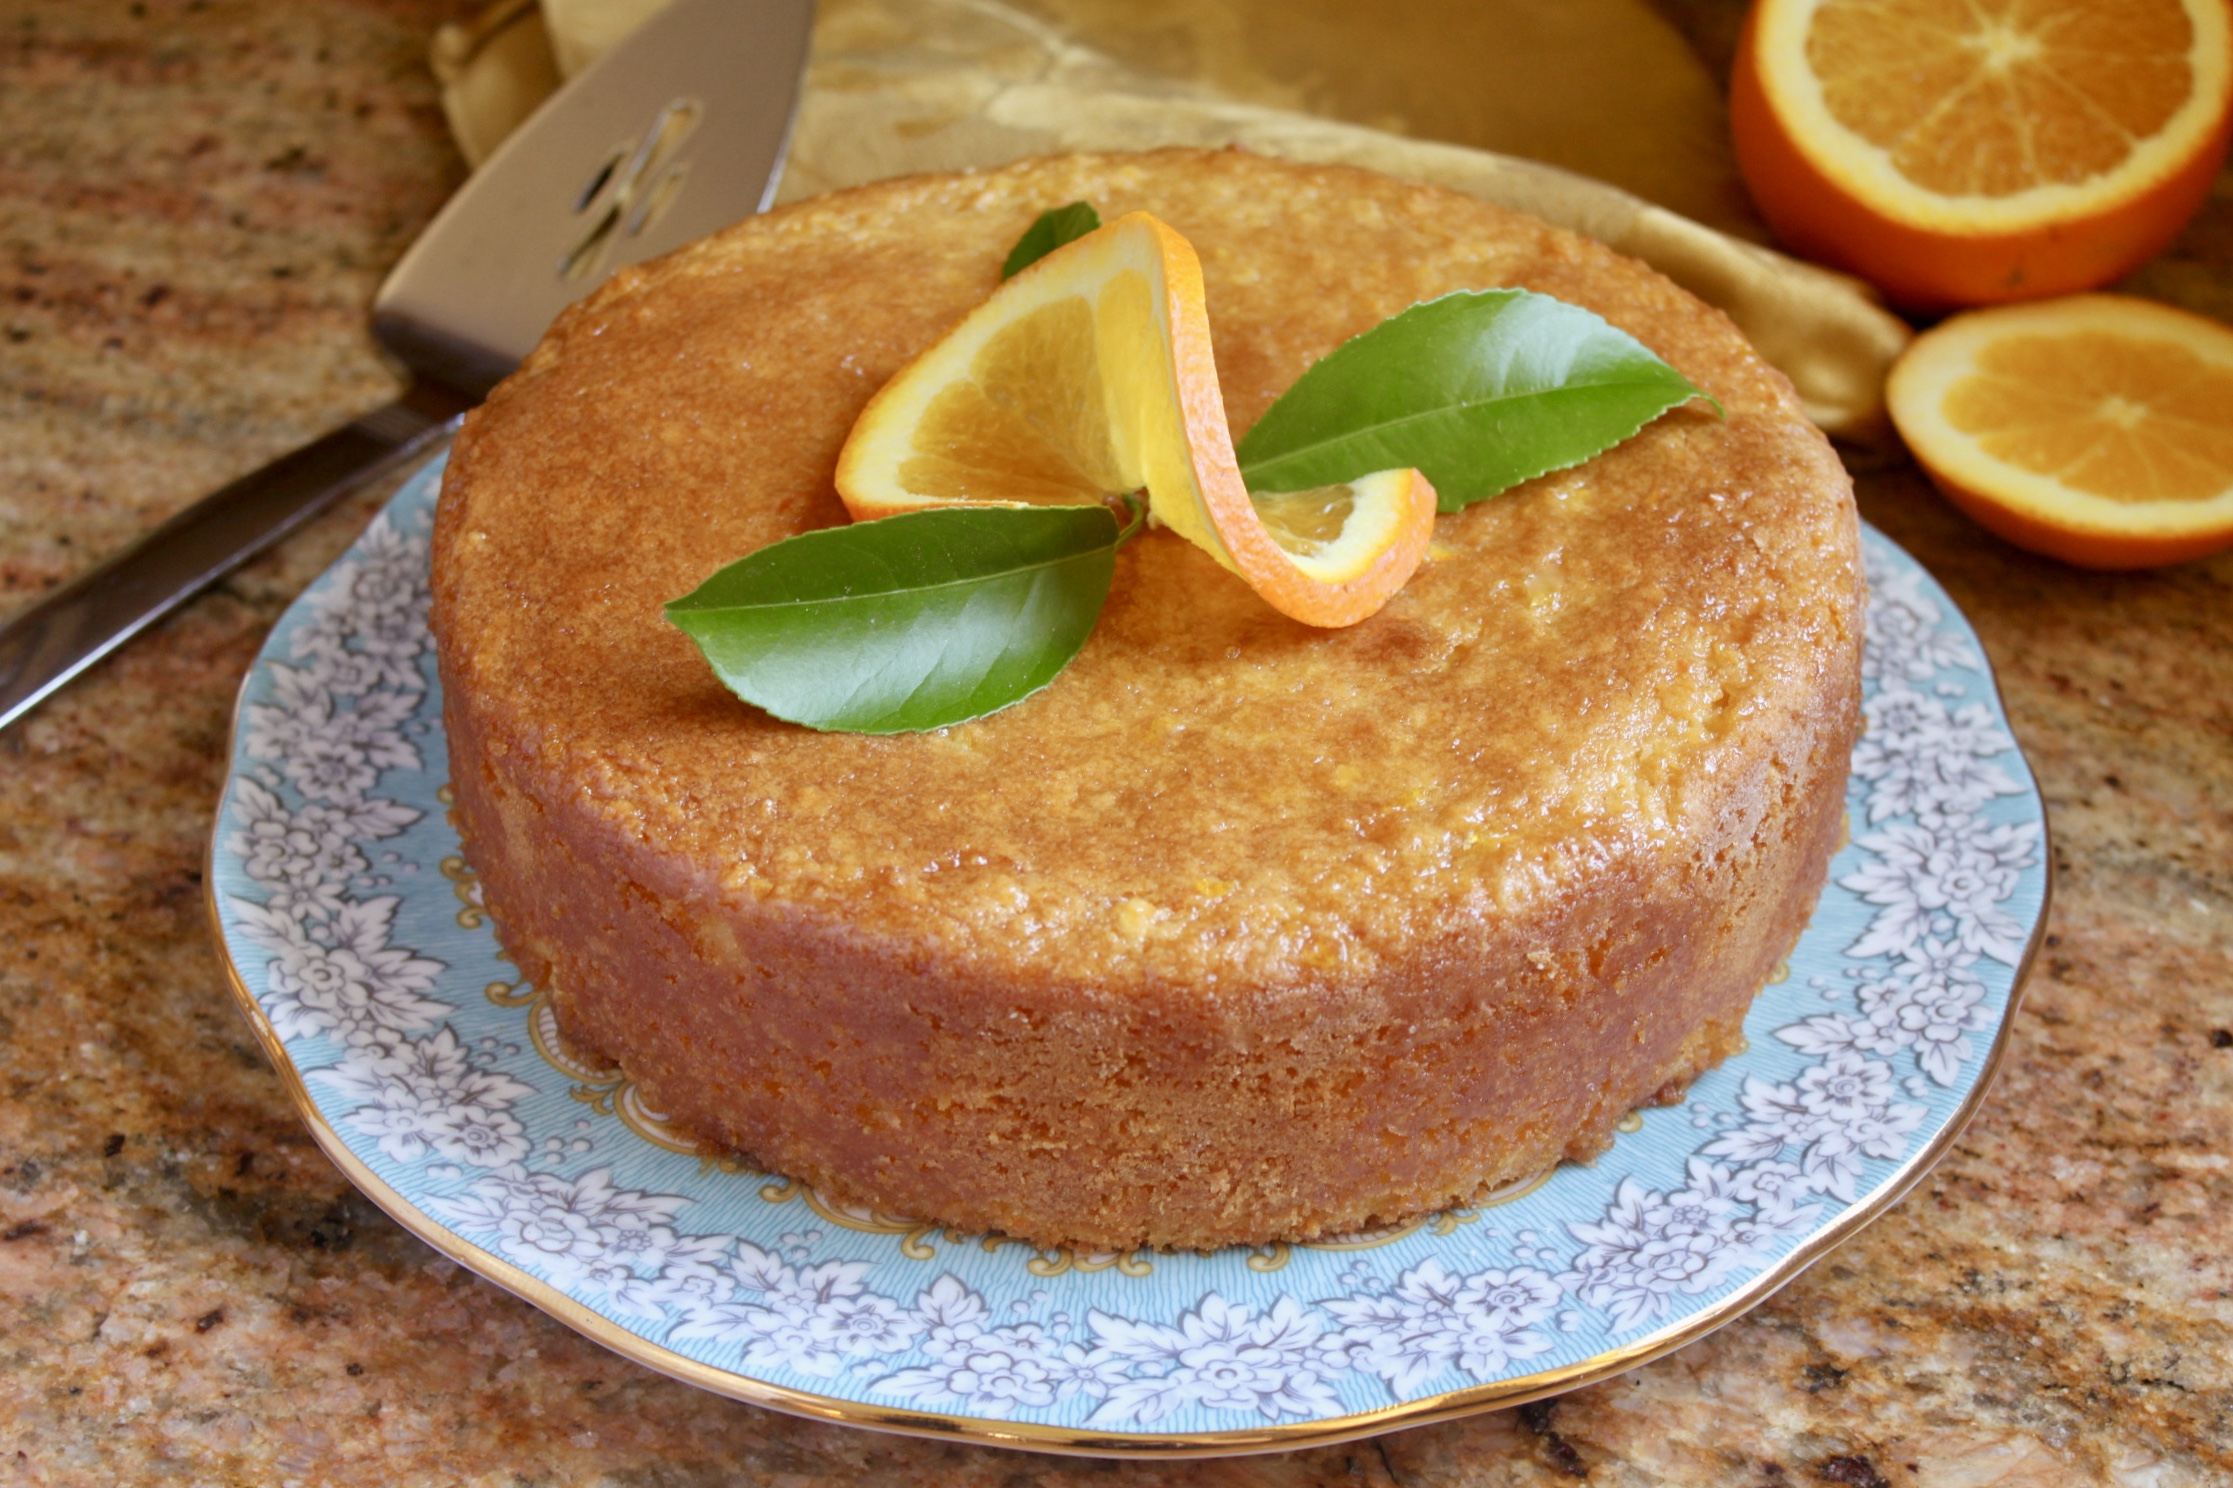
(382, 983)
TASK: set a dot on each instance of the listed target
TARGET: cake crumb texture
(1240, 930)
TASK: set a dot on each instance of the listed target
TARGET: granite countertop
(197, 198)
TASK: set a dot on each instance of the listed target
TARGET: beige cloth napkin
(897, 86)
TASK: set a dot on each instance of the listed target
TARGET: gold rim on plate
(1070, 1440)
(1089, 1443)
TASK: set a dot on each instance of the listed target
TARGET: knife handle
(100, 610)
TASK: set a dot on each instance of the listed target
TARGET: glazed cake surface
(1240, 930)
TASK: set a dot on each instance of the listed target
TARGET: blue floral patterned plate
(433, 1076)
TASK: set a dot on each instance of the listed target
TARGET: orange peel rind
(1090, 375)
(2097, 429)
(1969, 152)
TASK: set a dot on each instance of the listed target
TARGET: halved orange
(1967, 152)
(2097, 429)
(1089, 375)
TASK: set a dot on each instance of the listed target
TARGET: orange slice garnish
(1089, 375)
(1966, 152)
(2097, 429)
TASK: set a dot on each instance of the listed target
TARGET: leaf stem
(1138, 507)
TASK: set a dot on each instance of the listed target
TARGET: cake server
(678, 130)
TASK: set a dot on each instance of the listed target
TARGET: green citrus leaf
(911, 622)
(1480, 390)
(1050, 231)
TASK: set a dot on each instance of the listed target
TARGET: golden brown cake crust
(1240, 930)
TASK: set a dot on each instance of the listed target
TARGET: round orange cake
(1240, 930)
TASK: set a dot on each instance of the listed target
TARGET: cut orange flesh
(1963, 152)
(2097, 429)
(1089, 375)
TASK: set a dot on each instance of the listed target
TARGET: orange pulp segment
(1089, 375)
(2097, 428)
(1971, 151)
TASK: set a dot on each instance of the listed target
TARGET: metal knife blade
(678, 130)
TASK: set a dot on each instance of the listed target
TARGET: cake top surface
(1210, 790)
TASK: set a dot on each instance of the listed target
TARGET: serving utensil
(678, 130)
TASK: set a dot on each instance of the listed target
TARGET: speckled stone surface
(197, 198)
